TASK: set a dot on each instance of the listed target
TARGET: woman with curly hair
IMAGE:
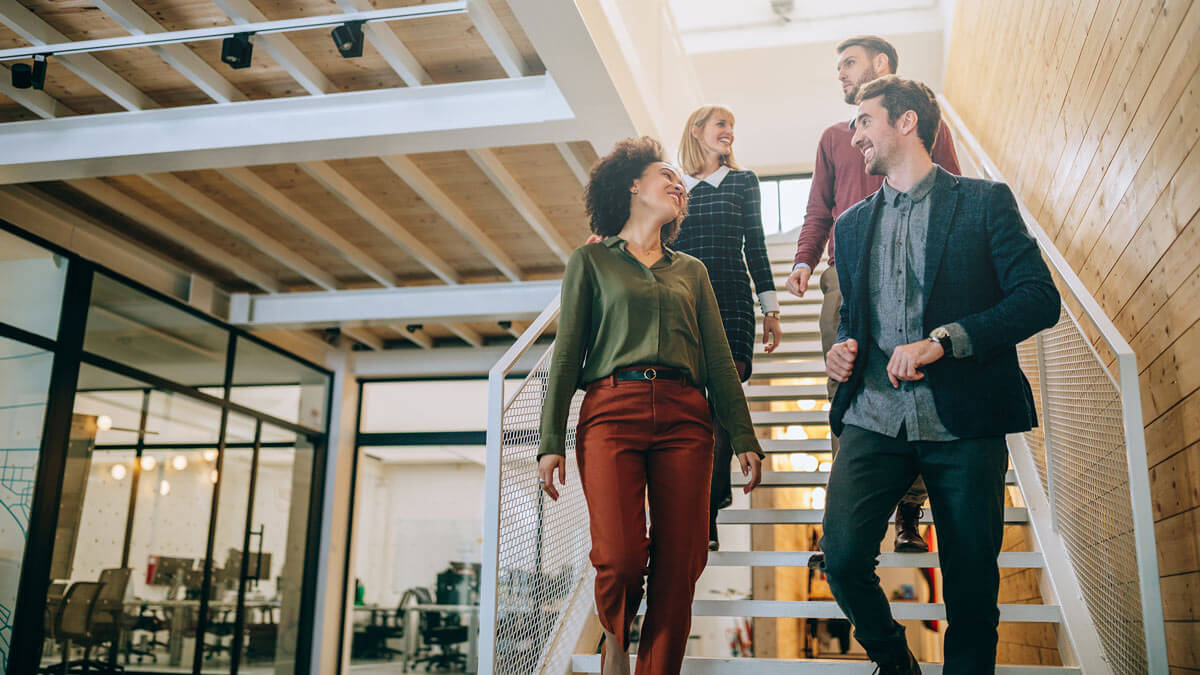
(640, 330)
(724, 230)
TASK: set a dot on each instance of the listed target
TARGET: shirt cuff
(551, 446)
(768, 301)
(960, 342)
(799, 265)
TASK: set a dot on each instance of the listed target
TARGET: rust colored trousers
(638, 442)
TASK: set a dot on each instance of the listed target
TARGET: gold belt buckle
(650, 374)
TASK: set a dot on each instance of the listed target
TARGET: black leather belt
(650, 374)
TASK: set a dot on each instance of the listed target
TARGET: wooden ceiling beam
(465, 333)
(35, 101)
(516, 195)
(294, 213)
(578, 168)
(497, 38)
(32, 29)
(137, 211)
(374, 342)
(286, 54)
(179, 56)
(437, 118)
(380, 220)
(515, 328)
(230, 221)
(421, 340)
(389, 46)
(445, 206)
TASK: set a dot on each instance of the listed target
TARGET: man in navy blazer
(940, 281)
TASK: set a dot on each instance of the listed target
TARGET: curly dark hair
(607, 196)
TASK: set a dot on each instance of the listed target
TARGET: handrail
(1067, 337)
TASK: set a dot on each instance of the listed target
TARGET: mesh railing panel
(1081, 454)
(1027, 353)
(544, 579)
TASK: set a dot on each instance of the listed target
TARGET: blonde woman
(724, 230)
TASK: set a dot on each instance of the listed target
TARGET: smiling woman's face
(716, 135)
(660, 189)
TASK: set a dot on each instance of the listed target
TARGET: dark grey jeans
(965, 479)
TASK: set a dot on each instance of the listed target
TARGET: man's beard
(867, 77)
(877, 166)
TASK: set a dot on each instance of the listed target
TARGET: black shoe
(908, 539)
(714, 544)
(907, 667)
(817, 561)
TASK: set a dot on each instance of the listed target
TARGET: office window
(784, 200)
(31, 286)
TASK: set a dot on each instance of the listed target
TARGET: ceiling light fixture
(25, 76)
(348, 38)
(236, 50)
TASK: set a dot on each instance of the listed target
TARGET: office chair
(147, 621)
(446, 632)
(220, 626)
(374, 636)
(75, 624)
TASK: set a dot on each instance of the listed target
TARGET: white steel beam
(573, 161)
(497, 38)
(465, 333)
(516, 195)
(25, 23)
(356, 124)
(38, 102)
(223, 217)
(450, 211)
(390, 47)
(442, 361)
(147, 216)
(419, 339)
(374, 342)
(280, 48)
(467, 303)
(380, 220)
(293, 212)
(179, 56)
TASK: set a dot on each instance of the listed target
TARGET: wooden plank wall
(1091, 108)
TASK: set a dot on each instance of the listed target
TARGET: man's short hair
(874, 45)
(901, 95)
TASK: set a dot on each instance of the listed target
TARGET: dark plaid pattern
(722, 223)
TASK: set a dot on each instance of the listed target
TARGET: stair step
(790, 348)
(813, 478)
(586, 664)
(805, 368)
(809, 328)
(776, 446)
(1012, 516)
(827, 609)
(789, 392)
(767, 418)
(800, 559)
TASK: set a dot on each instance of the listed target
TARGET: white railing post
(1045, 396)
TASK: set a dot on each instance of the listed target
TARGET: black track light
(348, 38)
(236, 50)
(413, 327)
(24, 76)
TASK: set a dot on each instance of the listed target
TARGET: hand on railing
(548, 465)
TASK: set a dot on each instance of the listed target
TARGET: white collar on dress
(714, 179)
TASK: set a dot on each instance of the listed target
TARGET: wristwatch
(942, 336)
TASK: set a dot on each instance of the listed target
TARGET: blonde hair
(691, 154)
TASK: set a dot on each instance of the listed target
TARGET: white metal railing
(537, 580)
(1083, 472)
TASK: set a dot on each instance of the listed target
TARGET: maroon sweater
(840, 181)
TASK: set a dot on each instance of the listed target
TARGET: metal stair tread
(790, 445)
(798, 368)
(587, 664)
(1011, 560)
(785, 392)
(773, 418)
(813, 478)
(1012, 515)
(828, 609)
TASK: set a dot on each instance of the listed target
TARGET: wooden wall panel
(1091, 109)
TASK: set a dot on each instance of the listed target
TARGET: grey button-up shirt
(897, 277)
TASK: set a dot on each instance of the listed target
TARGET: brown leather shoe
(908, 538)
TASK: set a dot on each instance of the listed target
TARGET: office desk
(412, 627)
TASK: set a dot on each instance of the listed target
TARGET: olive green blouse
(618, 313)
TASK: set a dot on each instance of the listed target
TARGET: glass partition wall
(158, 478)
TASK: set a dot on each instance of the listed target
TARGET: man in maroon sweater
(839, 181)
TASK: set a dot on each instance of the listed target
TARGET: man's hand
(797, 281)
(906, 359)
(839, 362)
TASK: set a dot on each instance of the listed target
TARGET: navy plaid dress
(722, 223)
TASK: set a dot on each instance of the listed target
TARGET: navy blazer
(983, 270)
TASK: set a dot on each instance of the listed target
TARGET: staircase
(792, 380)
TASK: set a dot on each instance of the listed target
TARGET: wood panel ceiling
(360, 222)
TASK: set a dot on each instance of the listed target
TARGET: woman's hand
(547, 467)
(593, 239)
(751, 467)
(772, 333)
